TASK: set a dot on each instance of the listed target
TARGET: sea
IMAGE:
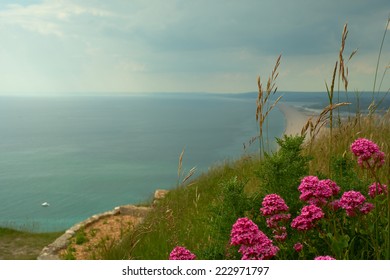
(88, 153)
(85, 154)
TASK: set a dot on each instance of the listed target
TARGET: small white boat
(45, 204)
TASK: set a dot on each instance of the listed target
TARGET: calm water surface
(87, 154)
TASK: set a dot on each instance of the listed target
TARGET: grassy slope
(19, 245)
(188, 215)
(183, 217)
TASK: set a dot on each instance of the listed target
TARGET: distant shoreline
(295, 120)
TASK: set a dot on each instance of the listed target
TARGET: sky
(218, 46)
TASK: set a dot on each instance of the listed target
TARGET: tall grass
(374, 105)
(359, 126)
(343, 72)
(190, 216)
(264, 105)
(182, 178)
(326, 117)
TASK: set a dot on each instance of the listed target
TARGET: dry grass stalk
(263, 108)
(331, 91)
(180, 171)
(343, 69)
(379, 56)
(189, 175)
(180, 166)
(315, 127)
(330, 96)
(341, 58)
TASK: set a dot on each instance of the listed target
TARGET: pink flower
(244, 232)
(255, 245)
(273, 221)
(324, 258)
(280, 233)
(366, 208)
(368, 153)
(306, 220)
(298, 247)
(376, 189)
(315, 191)
(364, 148)
(281, 237)
(307, 187)
(273, 204)
(332, 185)
(181, 253)
(262, 250)
(275, 208)
(352, 202)
(258, 252)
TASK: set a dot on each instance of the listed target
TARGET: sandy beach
(295, 119)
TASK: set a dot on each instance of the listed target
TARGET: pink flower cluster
(277, 220)
(274, 208)
(280, 233)
(332, 185)
(244, 232)
(317, 192)
(255, 245)
(376, 189)
(310, 214)
(353, 202)
(324, 258)
(181, 253)
(298, 247)
(273, 204)
(368, 153)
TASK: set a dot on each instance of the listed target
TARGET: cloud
(48, 17)
(362, 67)
(125, 45)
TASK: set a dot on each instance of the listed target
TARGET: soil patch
(94, 240)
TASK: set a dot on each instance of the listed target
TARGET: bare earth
(100, 234)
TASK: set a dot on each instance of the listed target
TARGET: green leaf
(339, 244)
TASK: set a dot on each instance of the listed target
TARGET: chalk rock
(159, 194)
(135, 211)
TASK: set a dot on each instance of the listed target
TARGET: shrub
(281, 171)
(80, 237)
(232, 203)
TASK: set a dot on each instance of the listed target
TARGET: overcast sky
(186, 46)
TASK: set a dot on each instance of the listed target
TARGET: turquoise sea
(86, 154)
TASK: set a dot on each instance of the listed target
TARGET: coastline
(295, 119)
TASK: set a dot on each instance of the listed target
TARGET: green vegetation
(80, 237)
(196, 216)
(200, 216)
(280, 171)
(18, 245)
(69, 253)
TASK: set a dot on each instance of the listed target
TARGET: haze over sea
(86, 154)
